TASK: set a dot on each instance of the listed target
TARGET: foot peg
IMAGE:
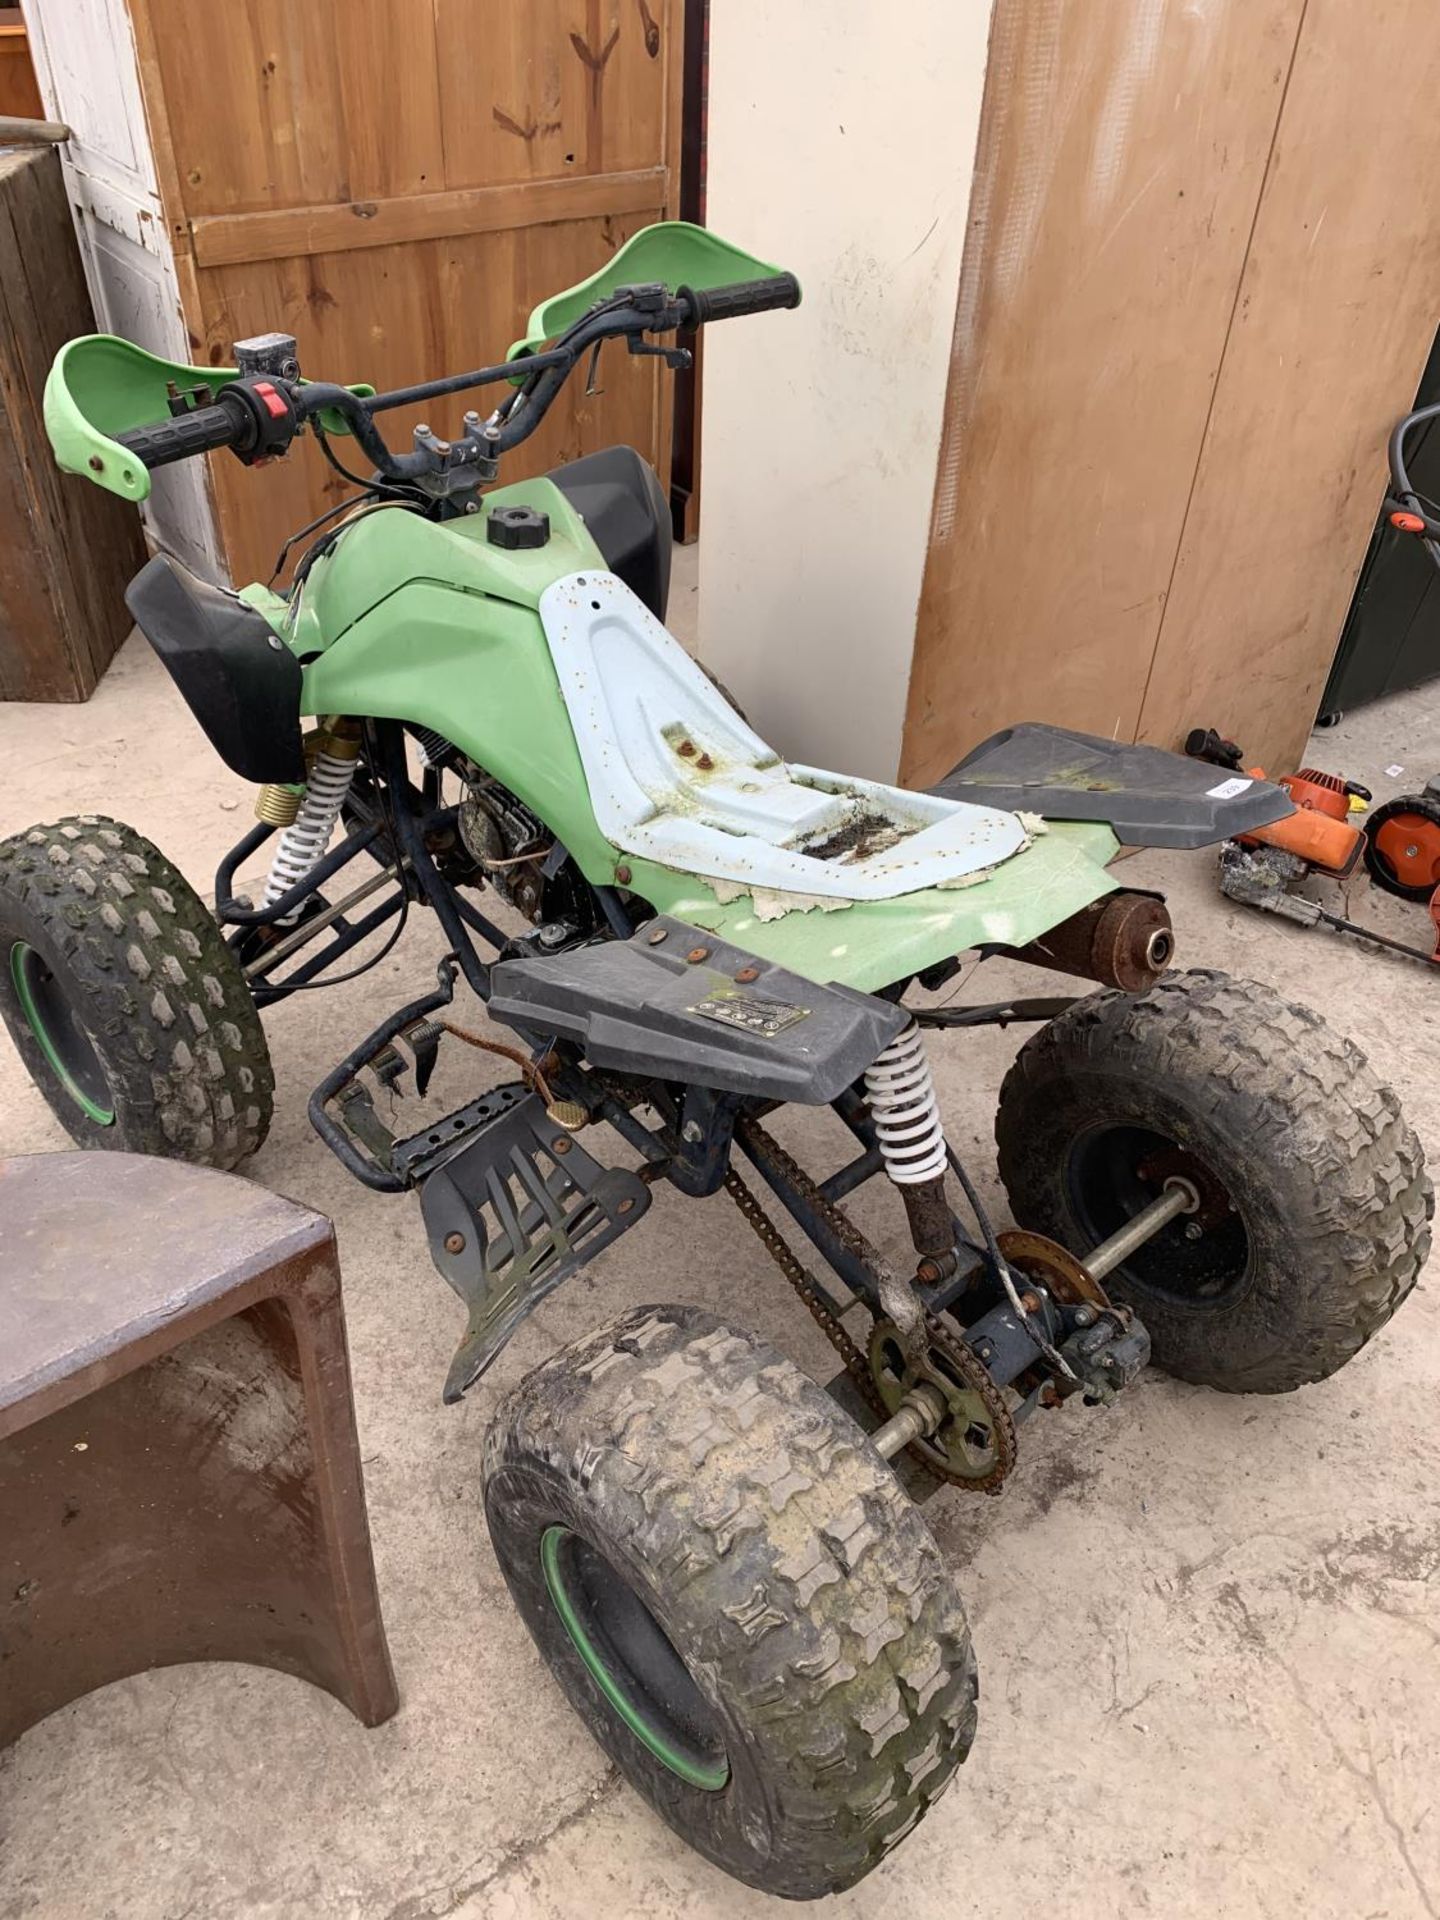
(515, 1209)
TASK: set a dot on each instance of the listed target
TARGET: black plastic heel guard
(511, 1214)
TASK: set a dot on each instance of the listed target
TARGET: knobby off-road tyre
(735, 1595)
(1315, 1222)
(128, 1009)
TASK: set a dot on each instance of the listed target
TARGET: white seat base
(676, 776)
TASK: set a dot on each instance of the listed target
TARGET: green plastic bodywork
(872, 943)
(99, 386)
(413, 620)
(409, 619)
(672, 251)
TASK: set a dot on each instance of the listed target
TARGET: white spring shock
(905, 1111)
(305, 840)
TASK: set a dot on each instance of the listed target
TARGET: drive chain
(819, 1308)
(960, 1358)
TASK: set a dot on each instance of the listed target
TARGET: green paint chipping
(708, 1779)
(20, 975)
(868, 944)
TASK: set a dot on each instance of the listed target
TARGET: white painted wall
(841, 146)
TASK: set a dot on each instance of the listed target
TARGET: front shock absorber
(906, 1113)
(331, 769)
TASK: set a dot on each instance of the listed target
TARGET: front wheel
(129, 1011)
(1312, 1222)
(729, 1585)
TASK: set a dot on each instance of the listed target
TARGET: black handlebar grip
(745, 296)
(201, 431)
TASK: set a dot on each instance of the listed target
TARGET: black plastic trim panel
(726, 1019)
(618, 496)
(240, 682)
(1149, 797)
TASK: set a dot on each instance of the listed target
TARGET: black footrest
(512, 1212)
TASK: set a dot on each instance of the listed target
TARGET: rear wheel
(729, 1585)
(127, 1007)
(1312, 1207)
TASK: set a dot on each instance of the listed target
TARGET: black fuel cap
(517, 527)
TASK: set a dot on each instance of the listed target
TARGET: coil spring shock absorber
(331, 769)
(901, 1096)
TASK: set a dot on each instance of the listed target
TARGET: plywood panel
(393, 315)
(1122, 153)
(66, 550)
(19, 93)
(1336, 315)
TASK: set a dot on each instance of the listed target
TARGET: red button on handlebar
(1407, 522)
(274, 405)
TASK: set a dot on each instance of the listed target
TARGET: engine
(507, 843)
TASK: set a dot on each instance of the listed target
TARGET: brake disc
(1064, 1277)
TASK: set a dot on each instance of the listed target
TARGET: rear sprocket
(974, 1446)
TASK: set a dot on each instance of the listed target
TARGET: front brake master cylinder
(331, 755)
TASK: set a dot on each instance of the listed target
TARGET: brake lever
(591, 390)
(677, 358)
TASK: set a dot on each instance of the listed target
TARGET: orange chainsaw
(1400, 845)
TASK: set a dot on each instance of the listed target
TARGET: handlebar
(204, 430)
(257, 417)
(1406, 510)
(745, 296)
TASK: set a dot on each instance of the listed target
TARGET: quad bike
(715, 1559)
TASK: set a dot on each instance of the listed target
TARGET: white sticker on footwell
(1228, 789)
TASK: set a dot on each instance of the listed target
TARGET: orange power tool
(1401, 846)
(1320, 831)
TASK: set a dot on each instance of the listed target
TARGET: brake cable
(1001, 1267)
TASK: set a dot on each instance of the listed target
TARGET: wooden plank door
(397, 182)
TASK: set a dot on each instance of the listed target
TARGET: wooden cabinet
(67, 550)
(19, 95)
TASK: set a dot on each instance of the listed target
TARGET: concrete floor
(1208, 1628)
